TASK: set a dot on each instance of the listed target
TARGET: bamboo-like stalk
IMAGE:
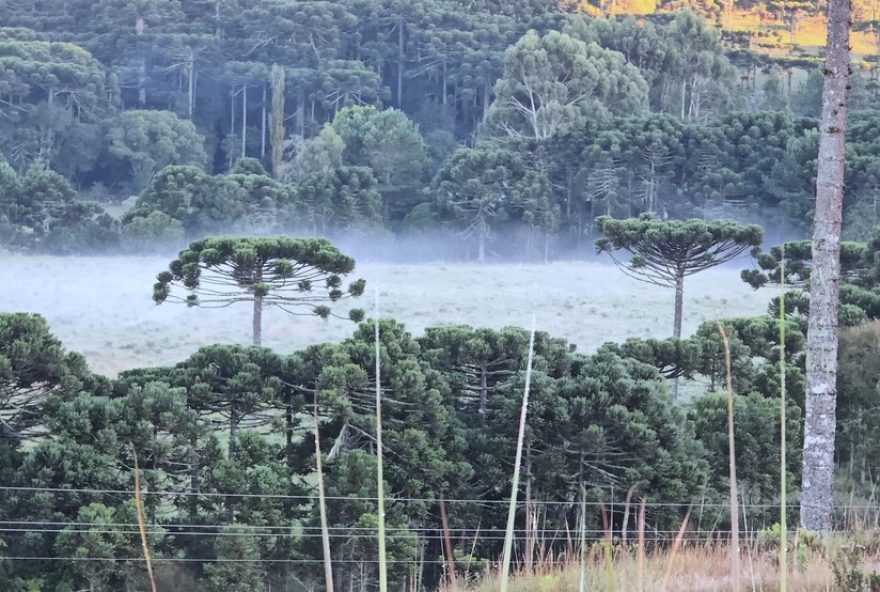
(511, 512)
(322, 501)
(783, 520)
(731, 449)
(139, 509)
(380, 485)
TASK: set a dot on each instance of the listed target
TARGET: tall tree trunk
(679, 304)
(142, 66)
(263, 125)
(683, 98)
(444, 87)
(258, 321)
(487, 99)
(484, 391)
(233, 428)
(481, 253)
(277, 126)
(232, 94)
(401, 51)
(194, 470)
(218, 28)
(258, 310)
(244, 108)
(679, 315)
(822, 335)
(191, 82)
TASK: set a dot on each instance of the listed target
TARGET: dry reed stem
(511, 512)
(734, 497)
(673, 552)
(783, 510)
(322, 502)
(380, 477)
(640, 552)
(138, 505)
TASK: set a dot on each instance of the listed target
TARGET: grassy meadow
(102, 306)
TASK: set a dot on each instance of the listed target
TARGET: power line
(559, 533)
(458, 530)
(210, 494)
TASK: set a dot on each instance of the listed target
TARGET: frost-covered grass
(102, 306)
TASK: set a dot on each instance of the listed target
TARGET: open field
(102, 307)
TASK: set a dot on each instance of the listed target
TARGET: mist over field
(102, 306)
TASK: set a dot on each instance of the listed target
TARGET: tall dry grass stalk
(731, 450)
(640, 551)
(783, 474)
(139, 509)
(322, 502)
(511, 512)
(673, 552)
(697, 567)
(380, 486)
(582, 558)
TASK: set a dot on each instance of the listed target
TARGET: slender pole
(325, 530)
(511, 512)
(380, 486)
(731, 448)
(783, 519)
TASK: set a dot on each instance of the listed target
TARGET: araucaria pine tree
(300, 276)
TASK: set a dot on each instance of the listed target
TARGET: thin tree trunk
(401, 50)
(484, 391)
(288, 428)
(258, 321)
(277, 125)
(822, 336)
(191, 82)
(301, 112)
(263, 126)
(233, 428)
(444, 91)
(244, 118)
(683, 98)
(679, 304)
(482, 249)
(142, 66)
(679, 314)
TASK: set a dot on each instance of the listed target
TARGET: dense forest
(130, 124)
(226, 445)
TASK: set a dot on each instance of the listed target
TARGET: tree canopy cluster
(378, 115)
(224, 443)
